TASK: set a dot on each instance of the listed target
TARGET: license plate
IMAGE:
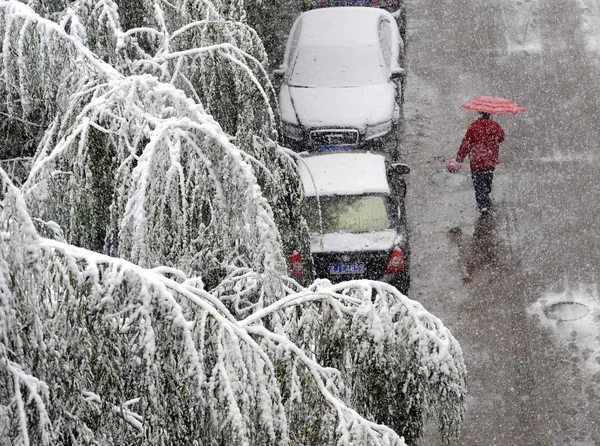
(350, 3)
(347, 268)
(326, 148)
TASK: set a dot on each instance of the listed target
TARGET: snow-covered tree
(98, 350)
(130, 145)
(143, 288)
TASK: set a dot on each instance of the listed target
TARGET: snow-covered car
(342, 81)
(356, 216)
(395, 7)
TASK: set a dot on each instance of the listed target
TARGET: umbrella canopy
(490, 104)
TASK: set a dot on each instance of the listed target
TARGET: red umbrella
(490, 104)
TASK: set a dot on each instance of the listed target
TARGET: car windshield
(355, 214)
(337, 67)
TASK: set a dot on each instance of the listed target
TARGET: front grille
(334, 137)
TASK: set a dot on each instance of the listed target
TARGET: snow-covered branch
(168, 214)
(112, 320)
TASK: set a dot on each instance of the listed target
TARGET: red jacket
(481, 143)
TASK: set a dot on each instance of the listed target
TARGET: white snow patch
(341, 242)
(355, 108)
(560, 157)
(529, 47)
(590, 23)
(341, 26)
(451, 181)
(344, 174)
(522, 33)
(578, 331)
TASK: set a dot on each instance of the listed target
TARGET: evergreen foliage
(143, 289)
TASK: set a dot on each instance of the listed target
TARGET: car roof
(346, 173)
(341, 26)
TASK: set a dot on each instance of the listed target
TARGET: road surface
(534, 369)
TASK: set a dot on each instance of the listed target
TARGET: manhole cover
(566, 311)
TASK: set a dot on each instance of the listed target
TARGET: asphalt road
(481, 277)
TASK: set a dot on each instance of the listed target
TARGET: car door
(388, 54)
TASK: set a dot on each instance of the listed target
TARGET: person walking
(481, 144)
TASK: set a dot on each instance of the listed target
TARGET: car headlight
(292, 131)
(374, 131)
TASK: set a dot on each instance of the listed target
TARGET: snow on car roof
(344, 174)
(341, 26)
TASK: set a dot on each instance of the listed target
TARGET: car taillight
(396, 263)
(296, 268)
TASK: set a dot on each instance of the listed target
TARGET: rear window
(352, 214)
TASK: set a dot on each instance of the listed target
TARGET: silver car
(356, 216)
(342, 81)
(395, 7)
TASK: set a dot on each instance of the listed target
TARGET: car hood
(349, 242)
(349, 107)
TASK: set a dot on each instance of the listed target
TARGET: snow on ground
(434, 214)
(522, 30)
(573, 316)
(440, 202)
(561, 157)
(520, 19)
(591, 23)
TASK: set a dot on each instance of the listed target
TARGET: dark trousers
(482, 183)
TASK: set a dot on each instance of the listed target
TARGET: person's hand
(452, 165)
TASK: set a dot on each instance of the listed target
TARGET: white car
(342, 80)
(355, 213)
(396, 7)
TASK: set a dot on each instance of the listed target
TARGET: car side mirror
(397, 73)
(399, 169)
